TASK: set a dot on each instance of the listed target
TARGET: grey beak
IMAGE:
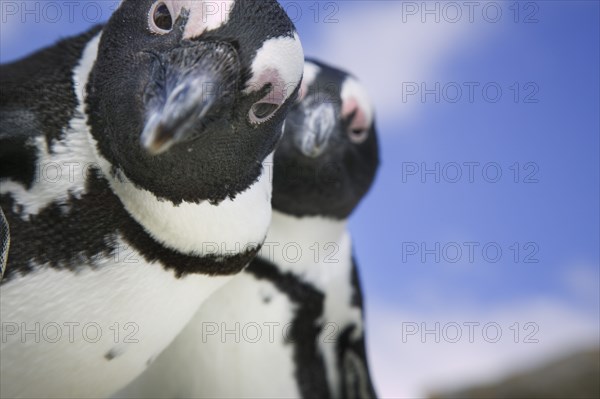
(188, 103)
(319, 124)
(189, 82)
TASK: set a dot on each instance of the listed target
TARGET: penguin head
(187, 98)
(328, 156)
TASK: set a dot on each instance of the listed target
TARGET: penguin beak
(318, 126)
(186, 105)
(197, 81)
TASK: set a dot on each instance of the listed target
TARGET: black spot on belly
(114, 353)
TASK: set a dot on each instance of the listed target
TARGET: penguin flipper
(352, 353)
(18, 156)
(356, 379)
(4, 242)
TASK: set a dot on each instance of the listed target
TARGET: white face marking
(202, 15)
(279, 62)
(81, 73)
(310, 74)
(355, 95)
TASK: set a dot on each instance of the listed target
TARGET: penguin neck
(286, 228)
(309, 247)
(202, 229)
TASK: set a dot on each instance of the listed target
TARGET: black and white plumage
(308, 309)
(4, 242)
(131, 175)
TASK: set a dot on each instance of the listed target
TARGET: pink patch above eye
(360, 118)
(279, 90)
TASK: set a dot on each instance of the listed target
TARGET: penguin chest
(90, 332)
(265, 344)
(231, 348)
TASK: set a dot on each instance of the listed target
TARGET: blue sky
(550, 127)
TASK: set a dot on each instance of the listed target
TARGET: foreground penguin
(132, 178)
(298, 330)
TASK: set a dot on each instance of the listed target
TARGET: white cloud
(413, 369)
(373, 42)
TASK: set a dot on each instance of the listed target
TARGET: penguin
(133, 179)
(299, 330)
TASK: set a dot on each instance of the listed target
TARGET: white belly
(89, 333)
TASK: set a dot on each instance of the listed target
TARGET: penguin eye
(358, 135)
(261, 111)
(358, 122)
(160, 20)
